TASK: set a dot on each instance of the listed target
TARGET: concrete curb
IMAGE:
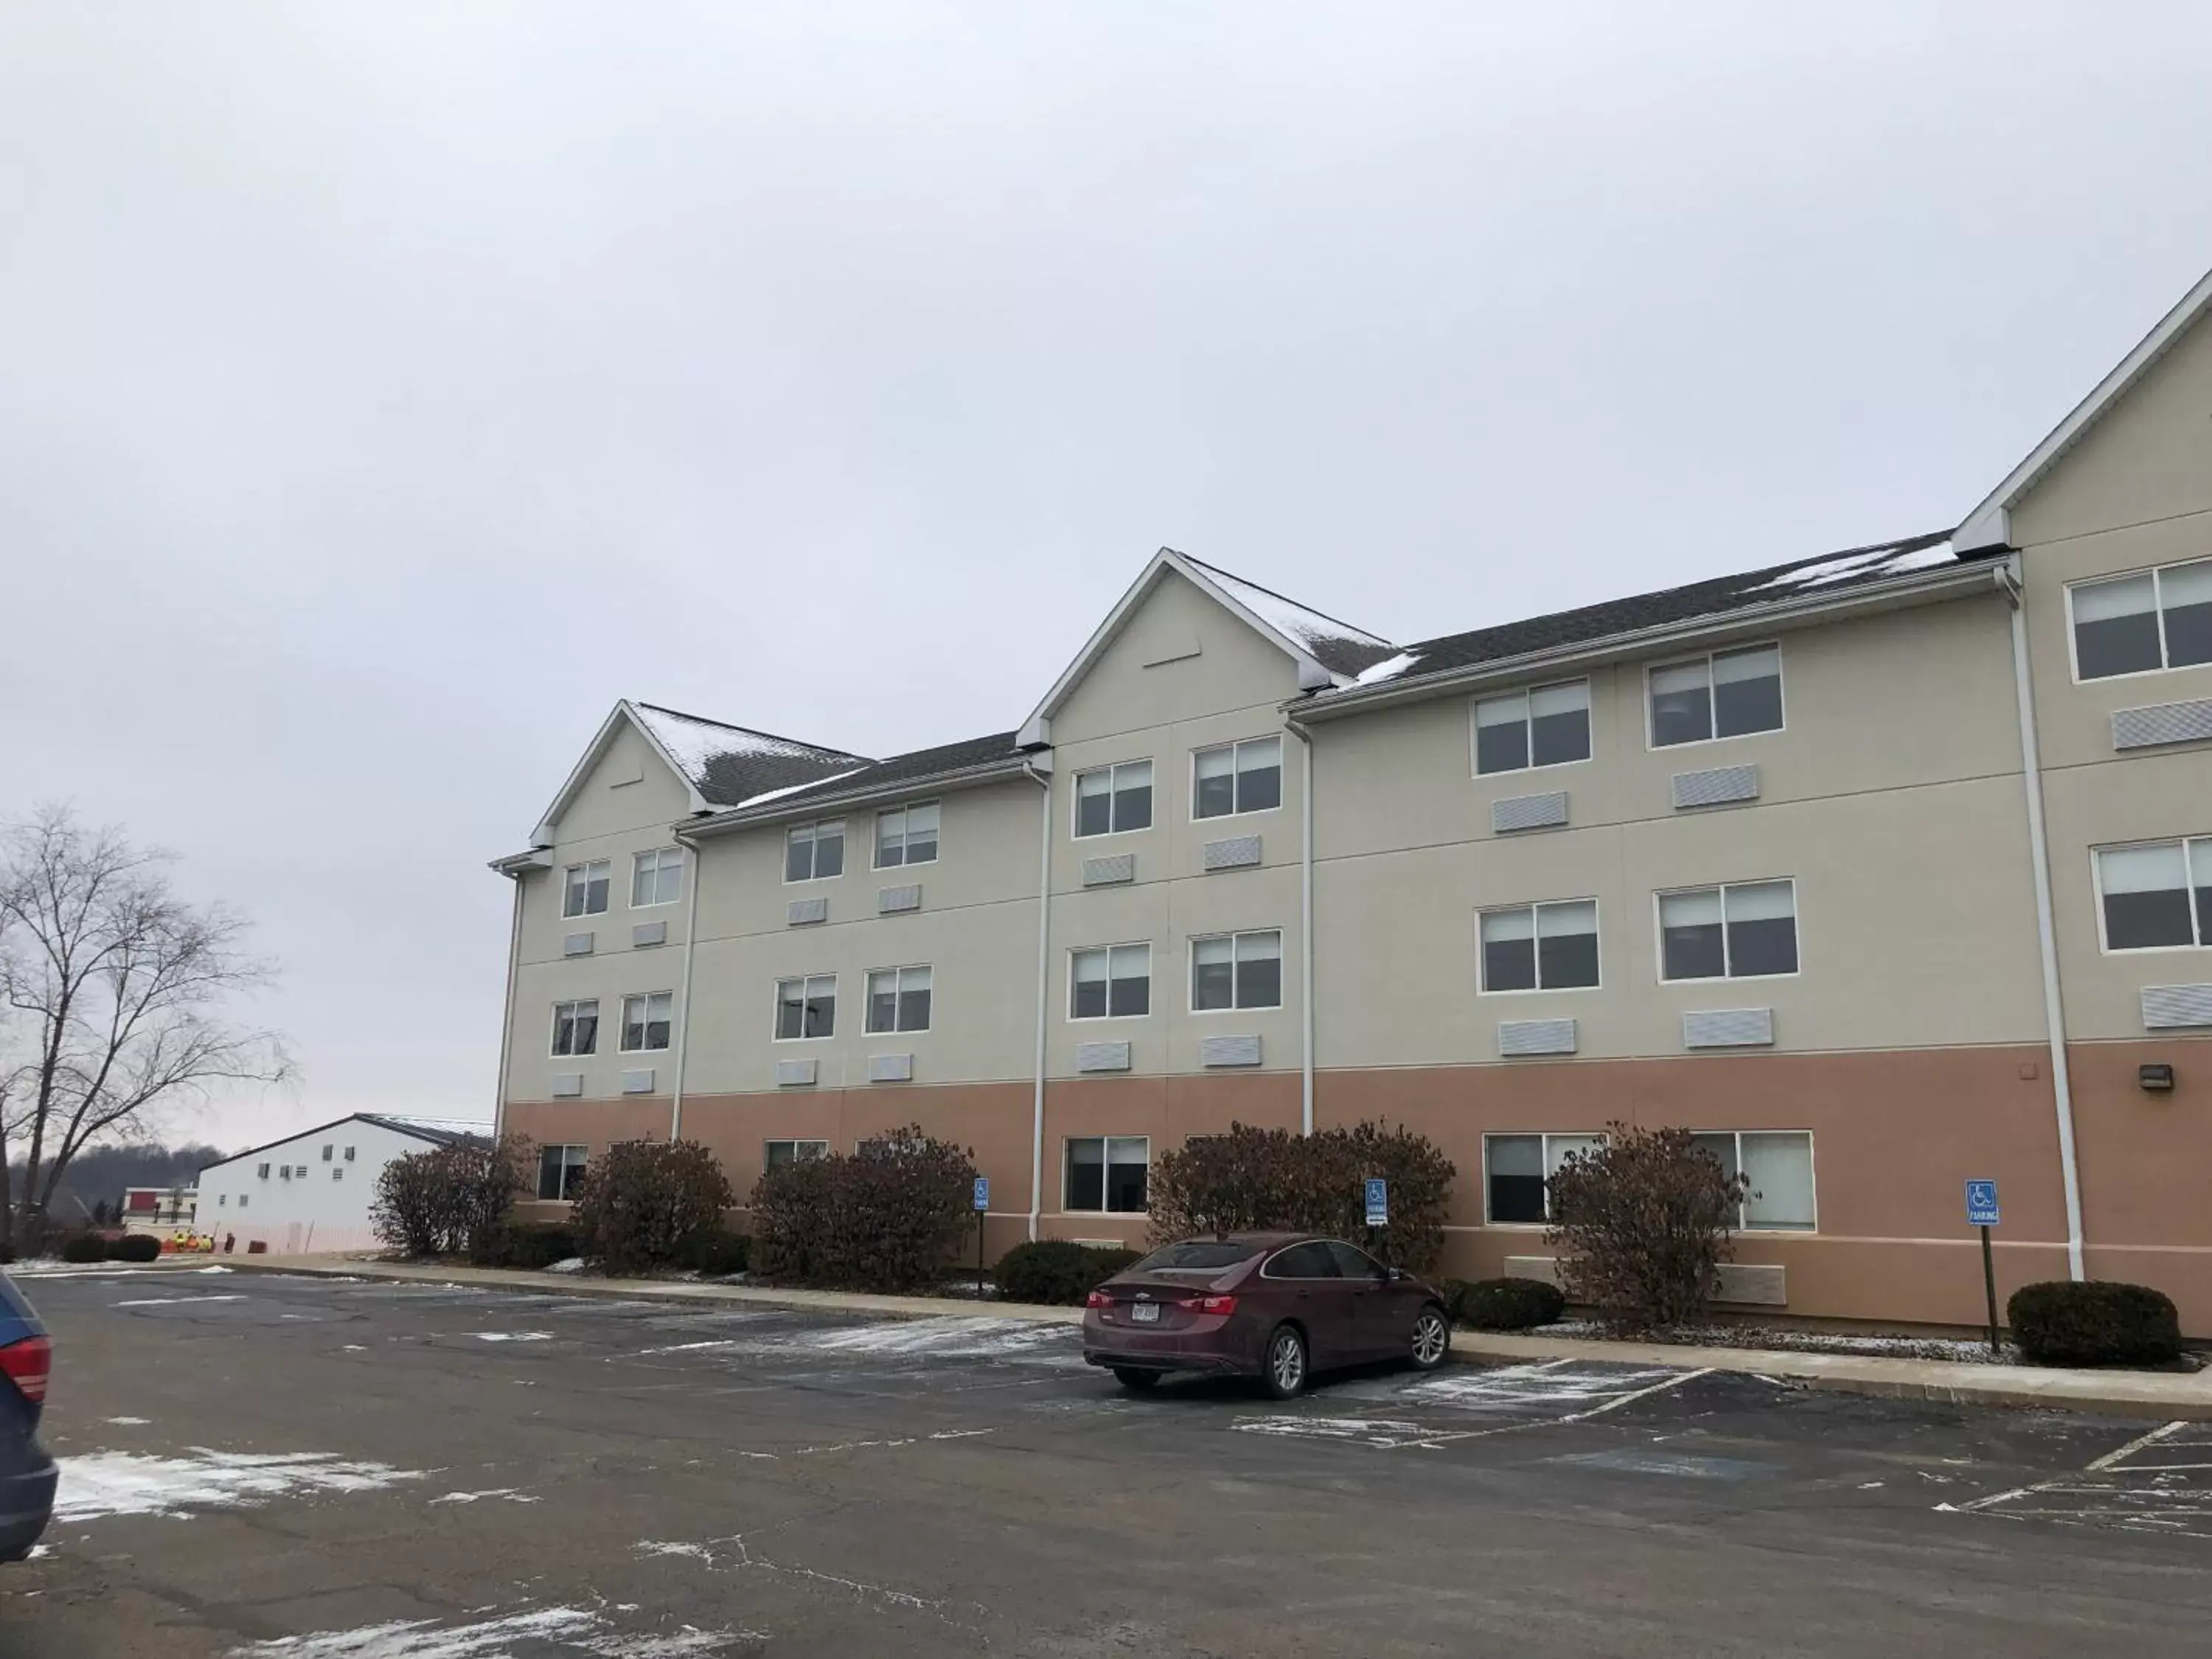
(2166, 1397)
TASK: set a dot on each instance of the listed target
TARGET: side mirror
(1396, 1275)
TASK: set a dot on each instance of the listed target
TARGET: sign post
(1981, 1211)
(983, 1204)
(1378, 1207)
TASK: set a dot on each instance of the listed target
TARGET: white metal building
(314, 1190)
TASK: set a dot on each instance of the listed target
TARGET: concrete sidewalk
(2165, 1396)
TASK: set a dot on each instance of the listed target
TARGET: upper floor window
(1729, 694)
(2156, 898)
(646, 1018)
(813, 851)
(907, 834)
(1540, 947)
(807, 1007)
(898, 999)
(584, 893)
(1778, 1165)
(1110, 800)
(575, 1028)
(2135, 624)
(781, 1152)
(1111, 982)
(559, 1170)
(655, 877)
(1236, 777)
(329, 1151)
(1742, 931)
(1236, 970)
(1545, 725)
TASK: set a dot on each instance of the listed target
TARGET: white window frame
(1546, 1137)
(1143, 944)
(659, 855)
(875, 851)
(1236, 777)
(1782, 687)
(1659, 930)
(563, 1147)
(622, 1033)
(1481, 973)
(803, 981)
(1105, 1173)
(1475, 731)
(2202, 924)
(813, 828)
(585, 870)
(1075, 798)
(1812, 1169)
(898, 999)
(2157, 573)
(1190, 979)
(821, 1150)
(553, 1037)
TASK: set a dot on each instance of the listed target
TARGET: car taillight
(27, 1364)
(1097, 1299)
(1209, 1305)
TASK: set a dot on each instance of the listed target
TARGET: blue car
(28, 1475)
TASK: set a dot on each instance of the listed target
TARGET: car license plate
(1145, 1313)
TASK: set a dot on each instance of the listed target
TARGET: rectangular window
(1515, 1171)
(575, 1030)
(2137, 624)
(1112, 798)
(1236, 970)
(2157, 897)
(242, 1198)
(1547, 726)
(262, 1170)
(350, 1152)
(1236, 777)
(559, 1170)
(1111, 982)
(781, 1152)
(1729, 694)
(1106, 1175)
(814, 852)
(898, 999)
(1540, 947)
(1748, 930)
(807, 1007)
(584, 893)
(1780, 1166)
(907, 834)
(656, 877)
(328, 1152)
(645, 1021)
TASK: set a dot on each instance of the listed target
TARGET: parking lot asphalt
(266, 1467)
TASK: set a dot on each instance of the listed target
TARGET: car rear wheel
(1131, 1378)
(1284, 1375)
(1431, 1339)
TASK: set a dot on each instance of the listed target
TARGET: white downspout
(2054, 1013)
(1306, 932)
(1043, 998)
(507, 1015)
(691, 863)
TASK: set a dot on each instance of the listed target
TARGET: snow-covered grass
(1791, 1339)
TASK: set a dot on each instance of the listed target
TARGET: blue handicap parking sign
(982, 1191)
(1981, 1203)
(1378, 1202)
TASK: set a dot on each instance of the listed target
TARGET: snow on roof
(1893, 560)
(1388, 669)
(767, 795)
(728, 764)
(1320, 637)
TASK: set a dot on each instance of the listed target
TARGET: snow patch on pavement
(128, 1422)
(176, 1301)
(505, 1494)
(512, 1336)
(560, 1629)
(970, 1337)
(123, 1483)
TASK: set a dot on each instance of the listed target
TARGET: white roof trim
(1312, 676)
(543, 836)
(1989, 524)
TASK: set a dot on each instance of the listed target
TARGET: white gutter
(507, 1014)
(1305, 931)
(1043, 998)
(683, 1004)
(2054, 1014)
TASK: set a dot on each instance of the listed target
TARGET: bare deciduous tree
(111, 992)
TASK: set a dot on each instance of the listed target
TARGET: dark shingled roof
(918, 767)
(1336, 645)
(440, 1134)
(728, 764)
(1830, 572)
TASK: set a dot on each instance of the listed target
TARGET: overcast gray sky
(385, 388)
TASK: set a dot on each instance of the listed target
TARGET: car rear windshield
(1197, 1254)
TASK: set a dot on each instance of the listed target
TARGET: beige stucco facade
(1910, 1048)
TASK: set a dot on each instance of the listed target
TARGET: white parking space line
(1550, 1394)
(2120, 1489)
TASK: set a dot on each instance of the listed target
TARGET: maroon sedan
(1277, 1306)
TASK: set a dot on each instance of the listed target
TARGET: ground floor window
(781, 1152)
(1107, 1174)
(1516, 1168)
(559, 1170)
(1779, 1163)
